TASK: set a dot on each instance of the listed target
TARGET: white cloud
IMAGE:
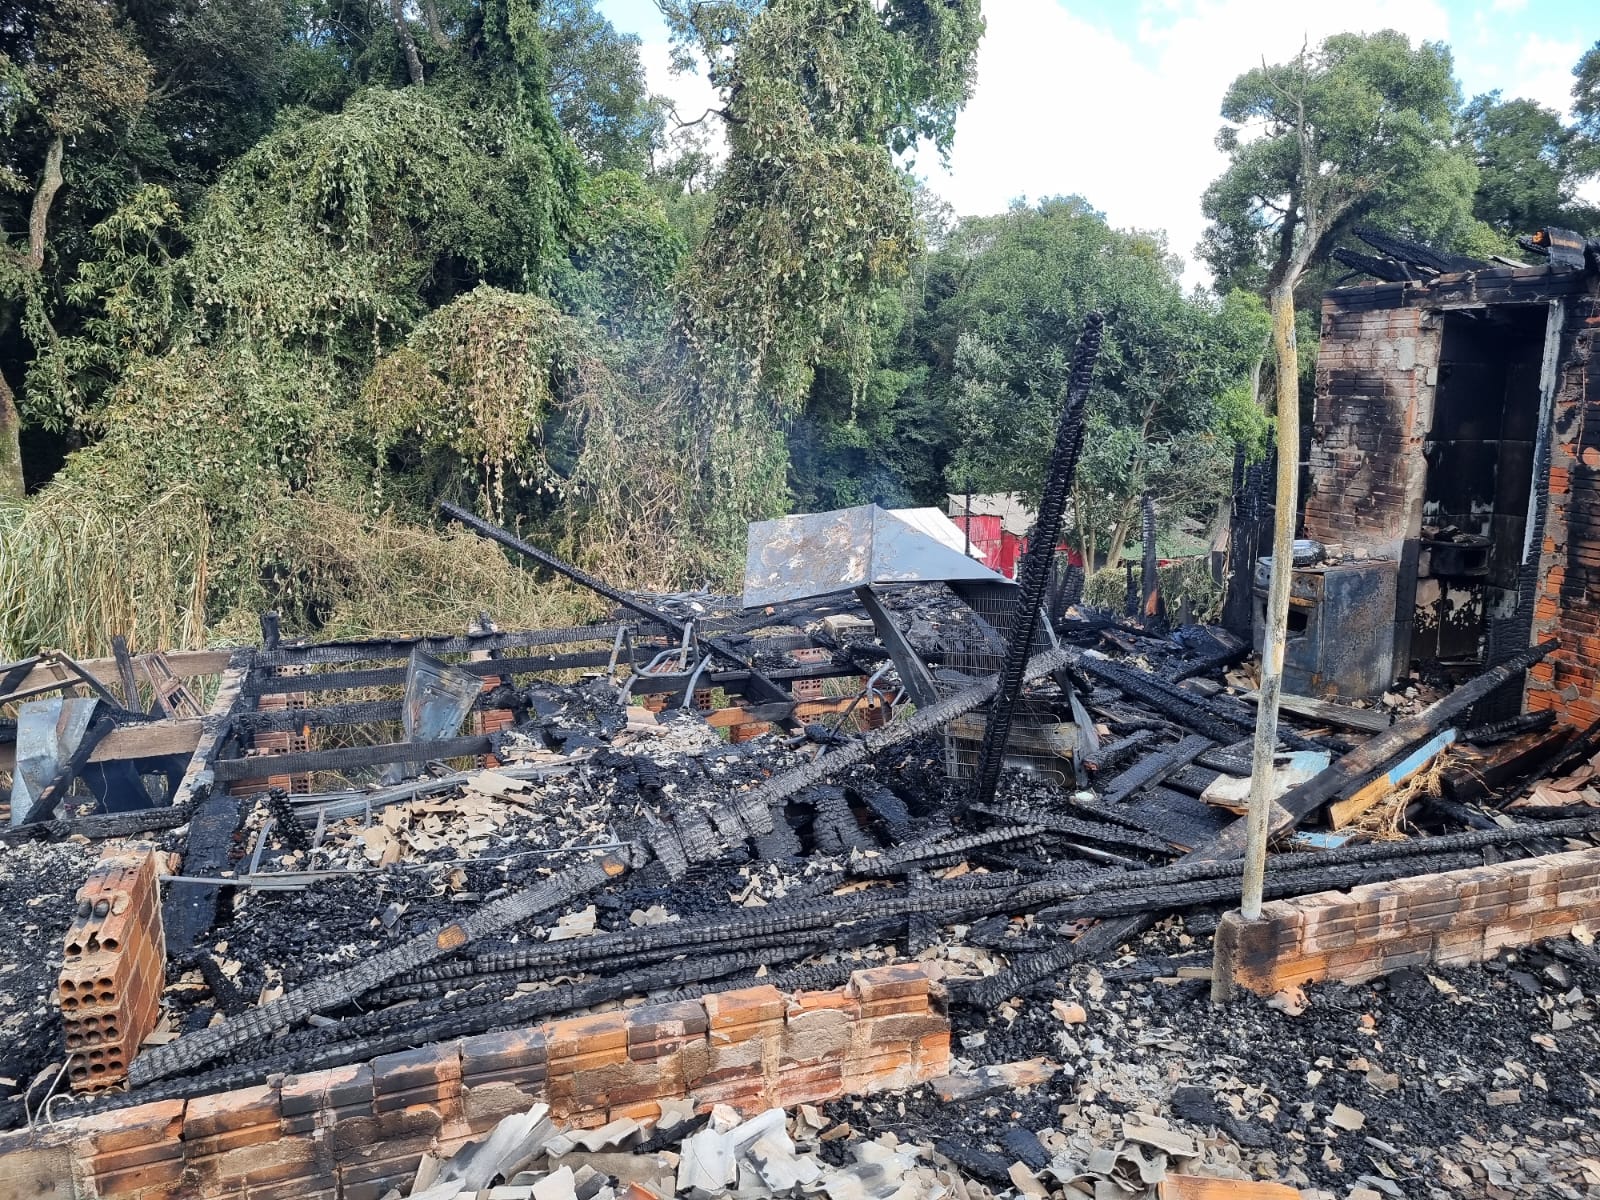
(1541, 70)
(1063, 105)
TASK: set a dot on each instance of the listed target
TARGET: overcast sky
(1118, 101)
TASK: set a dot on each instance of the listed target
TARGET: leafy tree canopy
(1171, 394)
(812, 215)
(1360, 128)
(1529, 166)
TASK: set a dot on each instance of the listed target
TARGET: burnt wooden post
(1034, 572)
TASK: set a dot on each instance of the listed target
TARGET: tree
(1361, 125)
(598, 87)
(812, 217)
(1170, 395)
(66, 69)
(1361, 128)
(1528, 165)
(1586, 111)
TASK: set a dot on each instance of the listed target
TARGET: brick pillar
(115, 968)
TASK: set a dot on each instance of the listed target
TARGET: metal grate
(977, 649)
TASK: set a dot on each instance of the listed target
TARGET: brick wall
(1567, 606)
(114, 968)
(1376, 372)
(352, 1133)
(1448, 919)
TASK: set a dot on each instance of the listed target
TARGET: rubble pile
(612, 855)
(892, 878)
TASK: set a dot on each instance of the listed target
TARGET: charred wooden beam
(1034, 574)
(1093, 831)
(229, 770)
(1152, 609)
(1184, 708)
(760, 685)
(924, 721)
(1113, 753)
(190, 908)
(941, 851)
(1355, 769)
(1494, 732)
(378, 649)
(99, 826)
(1153, 768)
(341, 987)
(1363, 764)
(1470, 778)
(886, 806)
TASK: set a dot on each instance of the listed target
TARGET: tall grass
(80, 562)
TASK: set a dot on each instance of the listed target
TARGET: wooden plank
(1343, 812)
(1365, 761)
(147, 741)
(260, 766)
(1202, 1187)
(216, 728)
(727, 718)
(1362, 720)
(185, 664)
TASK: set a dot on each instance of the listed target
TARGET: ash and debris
(1482, 1081)
(1475, 1082)
(38, 888)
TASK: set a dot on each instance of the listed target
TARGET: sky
(1117, 102)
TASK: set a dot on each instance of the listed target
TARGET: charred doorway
(1480, 454)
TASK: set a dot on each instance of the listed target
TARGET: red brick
(226, 1112)
(727, 1013)
(139, 1126)
(588, 1036)
(666, 1023)
(346, 1090)
(138, 1181)
(891, 982)
(427, 1075)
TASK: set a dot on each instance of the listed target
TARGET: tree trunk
(11, 487)
(39, 218)
(402, 30)
(430, 14)
(1119, 533)
(1277, 624)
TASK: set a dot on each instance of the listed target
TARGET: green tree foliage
(1361, 128)
(1171, 393)
(625, 254)
(812, 216)
(598, 88)
(1586, 112)
(382, 272)
(477, 381)
(1529, 166)
(67, 70)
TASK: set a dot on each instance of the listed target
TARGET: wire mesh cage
(1040, 744)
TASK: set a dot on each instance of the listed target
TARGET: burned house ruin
(892, 878)
(1452, 478)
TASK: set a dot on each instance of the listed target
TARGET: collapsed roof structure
(937, 862)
